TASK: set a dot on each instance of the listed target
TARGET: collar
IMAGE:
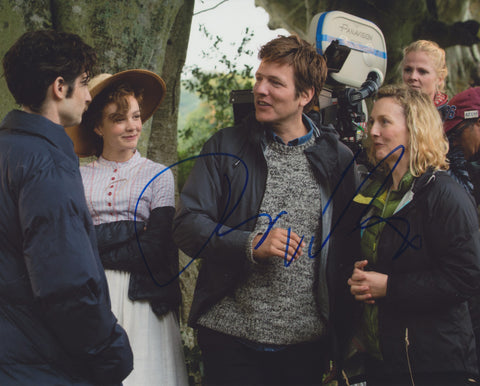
(38, 125)
(114, 164)
(440, 99)
(375, 191)
(297, 141)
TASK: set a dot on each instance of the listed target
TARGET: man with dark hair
(263, 208)
(57, 327)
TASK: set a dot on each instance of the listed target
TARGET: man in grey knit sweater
(264, 224)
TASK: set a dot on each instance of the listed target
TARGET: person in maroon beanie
(463, 122)
(462, 128)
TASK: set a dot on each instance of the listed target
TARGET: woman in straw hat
(131, 200)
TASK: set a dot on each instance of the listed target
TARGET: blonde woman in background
(424, 68)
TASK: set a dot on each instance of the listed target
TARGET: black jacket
(149, 255)
(430, 250)
(220, 202)
(56, 325)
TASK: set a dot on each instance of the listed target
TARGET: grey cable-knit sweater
(276, 304)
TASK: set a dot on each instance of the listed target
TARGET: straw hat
(153, 90)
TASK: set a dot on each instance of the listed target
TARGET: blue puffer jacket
(56, 326)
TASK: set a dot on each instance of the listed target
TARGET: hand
(275, 244)
(367, 286)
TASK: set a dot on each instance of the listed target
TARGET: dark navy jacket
(56, 325)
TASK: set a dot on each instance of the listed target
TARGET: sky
(229, 21)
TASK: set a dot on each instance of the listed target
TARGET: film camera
(355, 52)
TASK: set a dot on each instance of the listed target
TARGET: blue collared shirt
(296, 141)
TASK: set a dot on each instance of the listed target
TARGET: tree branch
(209, 9)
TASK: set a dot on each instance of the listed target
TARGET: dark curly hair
(37, 58)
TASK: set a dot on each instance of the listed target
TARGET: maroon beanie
(464, 105)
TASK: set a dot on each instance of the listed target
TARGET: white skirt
(156, 343)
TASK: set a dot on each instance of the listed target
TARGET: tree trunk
(147, 34)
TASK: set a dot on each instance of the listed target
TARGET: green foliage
(213, 89)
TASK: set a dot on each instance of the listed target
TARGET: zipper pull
(407, 343)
